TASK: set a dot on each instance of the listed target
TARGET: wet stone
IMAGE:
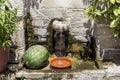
(112, 55)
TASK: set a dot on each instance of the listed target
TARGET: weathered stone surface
(19, 53)
(62, 3)
(76, 13)
(7, 76)
(40, 31)
(103, 32)
(40, 23)
(18, 49)
(41, 13)
(54, 12)
(18, 38)
(84, 75)
(112, 73)
(80, 30)
(47, 10)
(111, 55)
(19, 4)
(108, 43)
(77, 19)
(81, 38)
(20, 24)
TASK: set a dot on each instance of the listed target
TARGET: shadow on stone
(45, 64)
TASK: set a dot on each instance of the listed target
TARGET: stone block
(111, 55)
(40, 31)
(20, 24)
(103, 32)
(19, 4)
(77, 17)
(62, 3)
(36, 14)
(76, 13)
(84, 75)
(39, 22)
(18, 38)
(113, 78)
(108, 43)
(19, 53)
(78, 30)
(46, 13)
(55, 12)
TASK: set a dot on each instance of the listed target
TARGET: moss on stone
(87, 65)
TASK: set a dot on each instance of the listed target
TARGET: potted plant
(99, 10)
(7, 26)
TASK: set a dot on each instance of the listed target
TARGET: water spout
(60, 27)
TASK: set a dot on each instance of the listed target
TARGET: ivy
(106, 9)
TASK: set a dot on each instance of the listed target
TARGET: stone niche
(35, 16)
(42, 12)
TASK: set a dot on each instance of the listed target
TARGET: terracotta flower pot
(4, 57)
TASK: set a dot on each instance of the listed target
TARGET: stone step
(112, 73)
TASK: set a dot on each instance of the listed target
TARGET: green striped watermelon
(35, 56)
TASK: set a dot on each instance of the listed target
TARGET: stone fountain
(60, 38)
(34, 16)
(64, 46)
(61, 29)
(68, 55)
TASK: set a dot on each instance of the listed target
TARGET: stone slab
(111, 55)
(105, 43)
(40, 31)
(39, 22)
(103, 32)
(19, 4)
(112, 73)
(84, 75)
(61, 3)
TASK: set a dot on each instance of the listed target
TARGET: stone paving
(111, 73)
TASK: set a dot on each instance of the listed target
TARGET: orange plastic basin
(60, 62)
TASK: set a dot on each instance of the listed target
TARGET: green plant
(7, 22)
(106, 9)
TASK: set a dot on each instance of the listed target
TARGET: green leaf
(115, 34)
(116, 12)
(8, 20)
(112, 1)
(118, 1)
(86, 11)
(98, 12)
(114, 23)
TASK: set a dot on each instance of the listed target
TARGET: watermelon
(35, 56)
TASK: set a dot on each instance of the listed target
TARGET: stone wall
(35, 15)
(108, 47)
(18, 37)
(42, 12)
